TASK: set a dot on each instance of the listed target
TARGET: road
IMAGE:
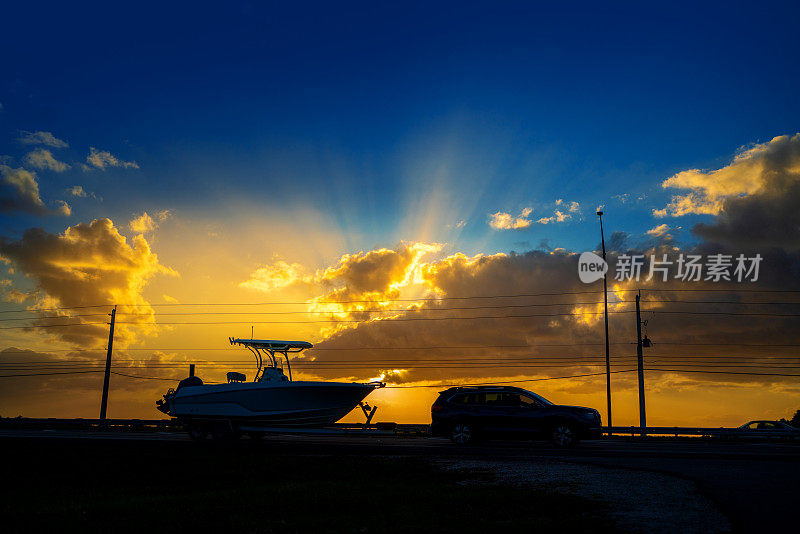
(754, 485)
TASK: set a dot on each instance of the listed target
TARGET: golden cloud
(144, 223)
(747, 174)
(563, 213)
(88, 265)
(275, 276)
(506, 221)
(558, 333)
(658, 231)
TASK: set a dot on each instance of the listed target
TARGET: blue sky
(377, 114)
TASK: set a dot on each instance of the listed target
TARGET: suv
(466, 413)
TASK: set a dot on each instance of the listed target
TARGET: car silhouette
(465, 414)
(769, 429)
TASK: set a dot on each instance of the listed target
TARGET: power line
(573, 360)
(48, 374)
(388, 319)
(429, 347)
(298, 312)
(722, 372)
(408, 319)
(737, 302)
(507, 381)
(425, 299)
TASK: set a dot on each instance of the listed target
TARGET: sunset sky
(354, 174)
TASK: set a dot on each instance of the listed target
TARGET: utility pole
(605, 314)
(107, 374)
(640, 365)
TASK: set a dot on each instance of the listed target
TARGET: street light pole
(605, 314)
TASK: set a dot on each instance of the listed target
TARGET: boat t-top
(272, 399)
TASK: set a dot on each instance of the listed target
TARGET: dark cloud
(548, 341)
(769, 217)
(19, 191)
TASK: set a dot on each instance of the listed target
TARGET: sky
(319, 153)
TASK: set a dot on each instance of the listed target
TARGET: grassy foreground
(69, 485)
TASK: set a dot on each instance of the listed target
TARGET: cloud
(77, 191)
(19, 191)
(63, 208)
(42, 158)
(564, 213)
(559, 333)
(88, 265)
(41, 138)
(659, 230)
(278, 275)
(144, 223)
(505, 221)
(101, 159)
(770, 165)
(558, 216)
(768, 216)
(572, 207)
(358, 286)
(8, 293)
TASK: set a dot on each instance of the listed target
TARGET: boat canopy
(272, 345)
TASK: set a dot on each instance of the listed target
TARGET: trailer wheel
(223, 431)
(197, 432)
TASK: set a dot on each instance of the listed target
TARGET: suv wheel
(564, 435)
(462, 433)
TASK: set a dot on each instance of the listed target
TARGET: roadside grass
(93, 486)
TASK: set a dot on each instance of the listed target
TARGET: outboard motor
(164, 405)
(189, 382)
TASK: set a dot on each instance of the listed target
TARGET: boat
(272, 399)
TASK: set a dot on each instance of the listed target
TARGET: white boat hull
(276, 403)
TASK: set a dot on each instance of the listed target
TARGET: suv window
(528, 402)
(468, 398)
(509, 399)
(495, 398)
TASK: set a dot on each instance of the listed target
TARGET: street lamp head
(600, 213)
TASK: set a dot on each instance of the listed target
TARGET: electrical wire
(425, 299)
(330, 312)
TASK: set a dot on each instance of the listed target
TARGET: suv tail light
(436, 408)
